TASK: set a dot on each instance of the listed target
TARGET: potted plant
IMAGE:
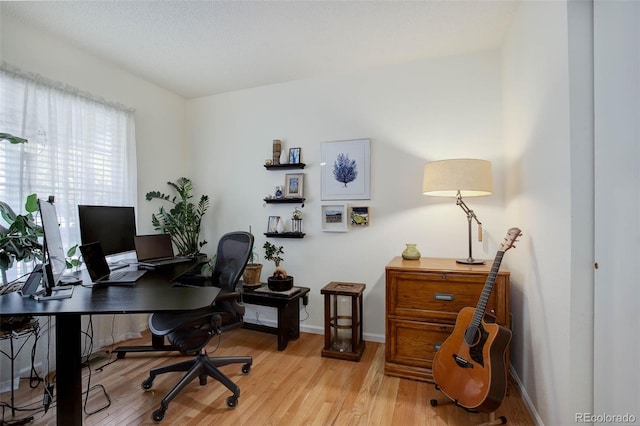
(19, 242)
(253, 269)
(72, 259)
(279, 281)
(251, 274)
(182, 222)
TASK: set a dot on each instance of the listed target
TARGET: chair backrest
(234, 250)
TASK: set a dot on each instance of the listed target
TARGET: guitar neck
(486, 291)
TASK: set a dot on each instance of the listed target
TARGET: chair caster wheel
(158, 415)
(146, 384)
(246, 368)
(232, 401)
(434, 402)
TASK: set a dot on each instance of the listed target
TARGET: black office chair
(189, 332)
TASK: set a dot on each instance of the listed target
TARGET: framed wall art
(359, 216)
(294, 185)
(346, 170)
(334, 217)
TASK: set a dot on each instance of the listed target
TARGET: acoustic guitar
(470, 367)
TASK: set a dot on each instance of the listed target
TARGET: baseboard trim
(525, 397)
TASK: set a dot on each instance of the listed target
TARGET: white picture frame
(294, 185)
(345, 170)
(334, 217)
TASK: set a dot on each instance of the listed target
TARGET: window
(81, 149)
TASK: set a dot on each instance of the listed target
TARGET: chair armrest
(164, 323)
(231, 297)
(226, 295)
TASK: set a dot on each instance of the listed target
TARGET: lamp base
(471, 261)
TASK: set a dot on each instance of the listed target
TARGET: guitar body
(473, 375)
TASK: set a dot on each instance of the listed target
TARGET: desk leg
(157, 345)
(288, 323)
(68, 370)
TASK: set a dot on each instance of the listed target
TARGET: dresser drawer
(414, 342)
(437, 296)
(423, 298)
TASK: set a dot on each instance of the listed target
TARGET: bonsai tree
(272, 253)
(19, 241)
(182, 222)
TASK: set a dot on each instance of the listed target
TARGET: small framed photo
(359, 216)
(294, 155)
(334, 218)
(272, 226)
(294, 185)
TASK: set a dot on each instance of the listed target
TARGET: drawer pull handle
(443, 296)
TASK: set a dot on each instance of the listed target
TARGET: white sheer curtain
(81, 149)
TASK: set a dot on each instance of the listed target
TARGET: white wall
(413, 113)
(160, 130)
(549, 144)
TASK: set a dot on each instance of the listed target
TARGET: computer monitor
(113, 226)
(54, 253)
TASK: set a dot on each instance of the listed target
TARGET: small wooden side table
(343, 320)
(288, 305)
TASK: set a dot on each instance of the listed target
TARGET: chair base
(201, 367)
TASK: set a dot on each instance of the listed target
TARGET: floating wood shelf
(285, 234)
(284, 166)
(283, 200)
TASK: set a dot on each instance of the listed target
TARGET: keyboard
(167, 261)
(117, 275)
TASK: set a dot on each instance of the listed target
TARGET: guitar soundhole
(475, 337)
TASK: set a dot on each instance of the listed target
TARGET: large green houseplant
(19, 239)
(12, 139)
(184, 218)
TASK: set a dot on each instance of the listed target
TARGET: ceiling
(199, 48)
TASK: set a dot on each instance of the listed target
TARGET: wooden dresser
(423, 298)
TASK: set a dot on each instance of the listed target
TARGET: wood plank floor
(293, 387)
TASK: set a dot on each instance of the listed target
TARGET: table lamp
(458, 178)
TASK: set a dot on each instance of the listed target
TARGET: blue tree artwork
(345, 170)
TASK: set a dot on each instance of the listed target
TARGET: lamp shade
(445, 178)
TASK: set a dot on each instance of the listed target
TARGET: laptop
(99, 270)
(156, 250)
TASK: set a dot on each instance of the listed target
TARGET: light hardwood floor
(293, 387)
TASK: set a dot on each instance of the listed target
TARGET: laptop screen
(94, 260)
(156, 246)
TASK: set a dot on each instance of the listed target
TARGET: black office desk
(152, 293)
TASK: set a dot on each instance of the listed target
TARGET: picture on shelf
(360, 216)
(272, 226)
(294, 155)
(294, 184)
